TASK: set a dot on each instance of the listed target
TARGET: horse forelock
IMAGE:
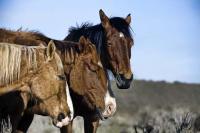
(121, 25)
(11, 58)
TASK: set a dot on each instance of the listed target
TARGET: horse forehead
(121, 35)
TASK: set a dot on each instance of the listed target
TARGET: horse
(85, 76)
(32, 74)
(113, 40)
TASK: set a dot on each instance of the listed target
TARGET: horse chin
(123, 83)
(100, 115)
(123, 86)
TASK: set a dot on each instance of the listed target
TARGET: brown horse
(33, 74)
(113, 41)
(85, 75)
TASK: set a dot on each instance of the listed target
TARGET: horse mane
(69, 50)
(11, 58)
(96, 32)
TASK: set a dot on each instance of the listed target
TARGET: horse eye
(61, 77)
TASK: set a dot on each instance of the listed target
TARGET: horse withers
(113, 41)
(32, 73)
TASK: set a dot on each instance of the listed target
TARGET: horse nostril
(126, 79)
(110, 109)
(61, 116)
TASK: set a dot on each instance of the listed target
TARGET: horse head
(88, 78)
(49, 86)
(118, 48)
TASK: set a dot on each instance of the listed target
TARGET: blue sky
(166, 32)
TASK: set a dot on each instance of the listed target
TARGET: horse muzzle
(109, 111)
(61, 120)
(122, 82)
(110, 105)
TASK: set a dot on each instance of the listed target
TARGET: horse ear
(51, 49)
(82, 40)
(104, 19)
(91, 45)
(128, 18)
(83, 43)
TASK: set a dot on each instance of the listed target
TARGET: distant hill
(158, 94)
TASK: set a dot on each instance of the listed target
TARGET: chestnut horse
(32, 73)
(85, 75)
(113, 41)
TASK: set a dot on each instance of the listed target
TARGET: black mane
(96, 33)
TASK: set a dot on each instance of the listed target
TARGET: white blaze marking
(109, 101)
(59, 124)
(66, 121)
(69, 102)
(121, 34)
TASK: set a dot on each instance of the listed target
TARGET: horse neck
(29, 62)
(14, 58)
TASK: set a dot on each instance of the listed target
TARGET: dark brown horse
(85, 75)
(113, 41)
(26, 75)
